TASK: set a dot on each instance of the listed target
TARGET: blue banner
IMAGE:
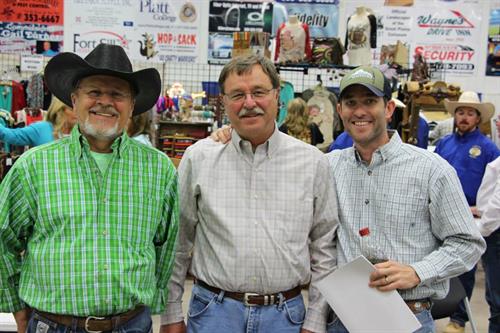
(320, 15)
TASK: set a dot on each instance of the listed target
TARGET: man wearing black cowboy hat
(95, 214)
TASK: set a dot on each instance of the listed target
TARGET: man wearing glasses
(257, 221)
(95, 214)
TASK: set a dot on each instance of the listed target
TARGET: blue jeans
(491, 264)
(424, 317)
(210, 312)
(468, 280)
(142, 323)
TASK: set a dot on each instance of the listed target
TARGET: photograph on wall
(493, 52)
(245, 20)
(47, 48)
(235, 16)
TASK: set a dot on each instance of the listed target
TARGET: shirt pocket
(295, 220)
(134, 217)
(404, 210)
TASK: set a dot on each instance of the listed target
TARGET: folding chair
(445, 307)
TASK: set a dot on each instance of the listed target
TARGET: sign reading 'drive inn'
(31, 63)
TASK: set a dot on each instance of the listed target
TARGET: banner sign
(236, 16)
(446, 33)
(321, 16)
(33, 11)
(31, 26)
(148, 30)
(493, 53)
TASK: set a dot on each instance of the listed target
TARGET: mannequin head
(360, 10)
(293, 19)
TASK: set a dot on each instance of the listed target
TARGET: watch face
(188, 13)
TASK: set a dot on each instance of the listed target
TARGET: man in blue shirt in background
(468, 151)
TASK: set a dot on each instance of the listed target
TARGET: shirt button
(105, 200)
(367, 201)
(369, 172)
(104, 233)
(105, 267)
(255, 196)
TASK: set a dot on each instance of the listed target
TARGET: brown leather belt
(93, 324)
(252, 299)
(419, 305)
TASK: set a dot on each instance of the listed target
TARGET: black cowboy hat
(63, 72)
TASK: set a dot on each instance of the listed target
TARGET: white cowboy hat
(398, 103)
(471, 99)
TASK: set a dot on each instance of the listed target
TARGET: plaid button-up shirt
(95, 244)
(260, 222)
(413, 204)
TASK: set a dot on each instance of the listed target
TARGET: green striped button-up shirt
(95, 243)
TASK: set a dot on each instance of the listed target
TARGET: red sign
(49, 12)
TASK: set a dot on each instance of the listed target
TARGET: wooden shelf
(174, 137)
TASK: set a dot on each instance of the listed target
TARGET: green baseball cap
(370, 77)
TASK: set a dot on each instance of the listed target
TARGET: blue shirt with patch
(468, 154)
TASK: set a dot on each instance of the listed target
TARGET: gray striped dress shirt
(413, 204)
(259, 222)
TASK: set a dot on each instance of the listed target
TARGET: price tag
(8, 161)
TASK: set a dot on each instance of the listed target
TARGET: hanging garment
(322, 112)
(286, 95)
(35, 92)
(18, 96)
(293, 43)
(337, 126)
(361, 35)
(6, 97)
(327, 51)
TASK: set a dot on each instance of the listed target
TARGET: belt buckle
(246, 296)
(87, 323)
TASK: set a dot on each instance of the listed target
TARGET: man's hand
(179, 327)
(222, 135)
(475, 212)
(22, 317)
(391, 275)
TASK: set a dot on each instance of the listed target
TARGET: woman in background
(139, 128)
(58, 123)
(298, 124)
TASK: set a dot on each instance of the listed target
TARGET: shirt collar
(79, 143)
(271, 145)
(468, 135)
(387, 151)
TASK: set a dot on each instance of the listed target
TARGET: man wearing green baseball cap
(421, 229)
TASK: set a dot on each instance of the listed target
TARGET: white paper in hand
(363, 309)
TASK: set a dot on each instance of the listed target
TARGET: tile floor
(480, 310)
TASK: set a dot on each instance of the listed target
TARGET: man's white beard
(103, 134)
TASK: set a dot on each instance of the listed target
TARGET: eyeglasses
(96, 94)
(257, 95)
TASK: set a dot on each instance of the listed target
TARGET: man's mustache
(251, 112)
